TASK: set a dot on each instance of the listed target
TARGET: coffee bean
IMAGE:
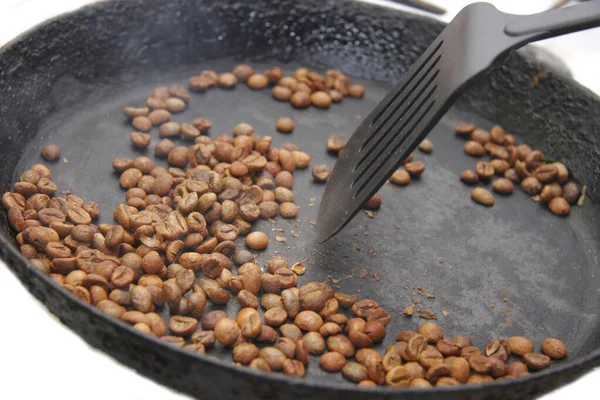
(474, 149)
(484, 170)
(357, 91)
(332, 361)
(374, 203)
(536, 361)
(469, 177)
(260, 364)
(285, 125)
(414, 168)
(308, 321)
(534, 159)
(480, 135)
(227, 331)
(571, 192)
(274, 357)
(519, 345)
(258, 81)
(554, 348)
(546, 173)
(531, 186)
(315, 344)
(257, 241)
(354, 372)
(503, 186)
(335, 144)
(482, 196)
(293, 368)
(464, 129)
(281, 93)
(559, 206)
(275, 316)
(549, 192)
(51, 152)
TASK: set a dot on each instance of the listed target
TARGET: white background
(41, 358)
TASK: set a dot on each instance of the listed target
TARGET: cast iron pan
(67, 81)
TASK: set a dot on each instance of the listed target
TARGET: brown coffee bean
(51, 152)
(469, 177)
(335, 144)
(519, 345)
(111, 308)
(534, 159)
(415, 346)
(182, 326)
(247, 299)
(437, 371)
(503, 186)
(260, 364)
(516, 368)
(474, 148)
(141, 299)
(140, 140)
(484, 170)
(270, 300)
(432, 332)
(178, 157)
(531, 186)
(559, 206)
(301, 159)
(308, 321)
(249, 322)
(546, 173)
(227, 331)
(554, 348)
(481, 136)
(274, 357)
(464, 129)
(130, 178)
(480, 364)
(398, 377)
(285, 125)
(207, 338)
(341, 344)
(500, 166)
(294, 368)
(275, 316)
(257, 240)
(482, 196)
(536, 361)
(132, 112)
(332, 361)
(320, 99)
(258, 81)
(414, 168)
(549, 192)
(218, 295)
(355, 372)
(460, 370)
(169, 130)
(498, 368)
(430, 357)
(281, 93)
(571, 192)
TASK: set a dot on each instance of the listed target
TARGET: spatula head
(407, 114)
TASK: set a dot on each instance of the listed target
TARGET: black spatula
(478, 38)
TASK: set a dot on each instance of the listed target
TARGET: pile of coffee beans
(173, 245)
(303, 89)
(515, 164)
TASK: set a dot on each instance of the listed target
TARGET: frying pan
(66, 82)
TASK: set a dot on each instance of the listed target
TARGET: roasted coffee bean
(484, 170)
(549, 192)
(332, 361)
(182, 326)
(503, 186)
(469, 177)
(335, 143)
(257, 241)
(559, 206)
(531, 186)
(474, 148)
(519, 345)
(308, 320)
(414, 168)
(51, 152)
(554, 348)
(536, 361)
(482, 196)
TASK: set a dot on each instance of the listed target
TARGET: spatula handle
(556, 22)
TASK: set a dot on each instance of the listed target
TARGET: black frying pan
(68, 80)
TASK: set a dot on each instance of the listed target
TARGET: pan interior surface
(514, 269)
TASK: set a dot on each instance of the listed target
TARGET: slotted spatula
(478, 38)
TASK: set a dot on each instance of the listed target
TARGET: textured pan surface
(72, 94)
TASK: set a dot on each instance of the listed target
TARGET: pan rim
(581, 365)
